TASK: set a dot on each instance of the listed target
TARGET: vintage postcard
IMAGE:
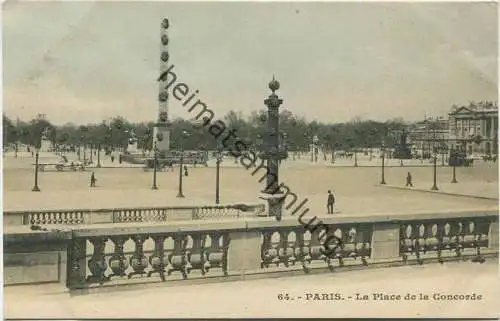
(250, 159)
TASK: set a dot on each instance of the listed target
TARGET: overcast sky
(86, 61)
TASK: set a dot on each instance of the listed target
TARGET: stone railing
(129, 215)
(103, 256)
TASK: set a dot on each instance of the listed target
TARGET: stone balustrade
(100, 255)
(128, 215)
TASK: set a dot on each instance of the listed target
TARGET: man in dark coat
(330, 202)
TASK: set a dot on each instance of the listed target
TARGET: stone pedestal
(132, 148)
(164, 144)
(243, 253)
(385, 241)
(274, 205)
(45, 146)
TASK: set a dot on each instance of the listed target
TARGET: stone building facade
(474, 128)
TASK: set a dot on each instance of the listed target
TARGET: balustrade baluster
(460, 233)
(80, 216)
(138, 261)
(58, 217)
(158, 260)
(283, 253)
(217, 252)
(301, 249)
(97, 264)
(317, 249)
(265, 248)
(196, 254)
(178, 261)
(363, 243)
(118, 263)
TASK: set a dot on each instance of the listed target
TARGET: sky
(84, 62)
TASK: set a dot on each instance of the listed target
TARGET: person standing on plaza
(92, 180)
(330, 202)
(409, 180)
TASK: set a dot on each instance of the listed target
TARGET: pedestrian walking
(112, 158)
(330, 202)
(92, 180)
(186, 170)
(409, 180)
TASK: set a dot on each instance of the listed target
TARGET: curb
(439, 192)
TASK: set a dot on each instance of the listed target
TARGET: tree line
(119, 132)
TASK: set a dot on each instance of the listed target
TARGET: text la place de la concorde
(377, 296)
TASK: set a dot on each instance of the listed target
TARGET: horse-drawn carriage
(169, 159)
(459, 158)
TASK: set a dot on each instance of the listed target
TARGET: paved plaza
(357, 189)
(259, 298)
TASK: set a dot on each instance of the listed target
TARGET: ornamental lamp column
(273, 153)
(434, 150)
(184, 134)
(382, 181)
(159, 138)
(453, 161)
(219, 156)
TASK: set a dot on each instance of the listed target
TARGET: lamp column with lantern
(273, 153)
(159, 138)
(219, 156)
(38, 144)
(382, 181)
(98, 155)
(184, 134)
(434, 186)
(453, 159)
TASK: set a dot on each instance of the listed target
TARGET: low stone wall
(124, 254)
(129, 215)
(35, 257)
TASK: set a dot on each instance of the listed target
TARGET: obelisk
(163, 124)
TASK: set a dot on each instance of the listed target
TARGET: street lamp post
(273, 152)
(84, 151)
(183, 134)
(434, 186)
(382, 181)
(454, 163)
(315, 141)
(355, 158)
(219, 156)
(155, 164)
(98, 155)
(36, 188)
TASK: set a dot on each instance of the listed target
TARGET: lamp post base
(434, 188)
(35, 189)
(154, 187)
(454, 180)
(180, 195)
(382, 182)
